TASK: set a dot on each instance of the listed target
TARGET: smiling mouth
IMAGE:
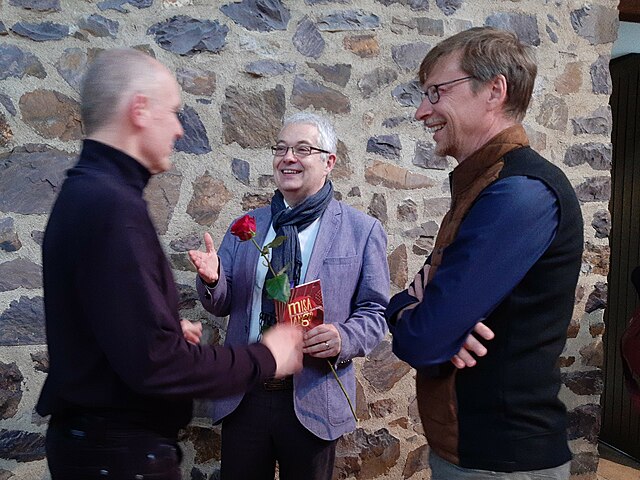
(433, 128)
(290, 172)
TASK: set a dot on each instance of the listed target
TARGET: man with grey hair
(123, 367)
(297, 421)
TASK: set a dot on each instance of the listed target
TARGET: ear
(498, 92)
(331, 162)
(138, 109)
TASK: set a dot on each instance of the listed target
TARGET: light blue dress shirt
(307, 239)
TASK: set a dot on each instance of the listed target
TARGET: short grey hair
(327, 138)
(113, 77)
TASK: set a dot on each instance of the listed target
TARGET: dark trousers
(264, 429)
(87, 447)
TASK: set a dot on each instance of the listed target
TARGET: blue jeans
(443, 470)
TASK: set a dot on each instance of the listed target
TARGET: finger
(194, 257)
(418, 281)
(466, 358)
(192, 339)
(320, 349)
(473, 345)
(484, 331)
(457, 362)
(208, 243)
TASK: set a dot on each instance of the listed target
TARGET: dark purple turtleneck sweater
(111, 304)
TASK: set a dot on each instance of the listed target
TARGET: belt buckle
(278, 384)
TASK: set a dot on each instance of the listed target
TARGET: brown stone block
(366, 455)
(365, 46)
(553, 113)
(252, 119)
(593, 354)
(584, 383)
(10, 389)
(417, 461)
(210, 195)
(383, 408)
(6, 134)
(251, 201)
(392, 176)
(378, 207)
(162, 195)
(398, 266)
(597, 298)
(570, 80)
(584, 422)
(342, 168)
(308, 93)
(597, 256)
(402, 422)
(382, 369)
(574, 328)
(206, 442)
(41, 361)
(597, 328)
(564, 362)
(51, 114)
(362, 407)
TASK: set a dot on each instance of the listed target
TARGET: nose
(288, 156)
(180, 132)
(424, 109)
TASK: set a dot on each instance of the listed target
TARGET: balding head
(111, 80)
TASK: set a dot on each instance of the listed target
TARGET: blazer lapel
(252, 255)
(329, 226)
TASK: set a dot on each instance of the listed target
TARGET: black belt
(99, 424)
(272, 384)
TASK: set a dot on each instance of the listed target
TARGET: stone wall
(242, 67)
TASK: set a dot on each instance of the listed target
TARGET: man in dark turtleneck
(508, 255)
(123, 367)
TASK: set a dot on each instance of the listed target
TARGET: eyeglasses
(433, 92)
(299, 151)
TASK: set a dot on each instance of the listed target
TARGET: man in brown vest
(508, 255)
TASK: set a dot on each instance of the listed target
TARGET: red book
(304, 307)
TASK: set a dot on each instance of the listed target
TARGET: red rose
(244, 228)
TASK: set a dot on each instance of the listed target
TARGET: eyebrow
(299, 142)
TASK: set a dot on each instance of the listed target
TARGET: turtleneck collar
(490, 153)
(99, 156)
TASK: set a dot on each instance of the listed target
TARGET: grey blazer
(350, 258)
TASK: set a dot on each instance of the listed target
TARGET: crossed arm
(472, 346)
(509, 227)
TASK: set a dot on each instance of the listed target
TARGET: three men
(297, 422)
(121, 374)
(508, 254)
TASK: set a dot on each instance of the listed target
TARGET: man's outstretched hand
(206, 263)
(285, 343)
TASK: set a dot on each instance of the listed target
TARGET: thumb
(208, 243)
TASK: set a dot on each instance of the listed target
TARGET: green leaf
(278, 287)
(276, 242)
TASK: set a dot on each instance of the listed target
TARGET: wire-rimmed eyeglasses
(299, 151)
(433, 91)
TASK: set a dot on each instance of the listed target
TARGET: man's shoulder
(527, 158)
